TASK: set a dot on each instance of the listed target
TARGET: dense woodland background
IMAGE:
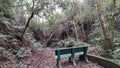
(36, 24)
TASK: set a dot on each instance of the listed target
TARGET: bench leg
(73, 62)
(81, 57)
(69, 59)
(84, 57)
(58, 64)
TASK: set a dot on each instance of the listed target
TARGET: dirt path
(44, 58)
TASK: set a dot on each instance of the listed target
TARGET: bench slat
(79, 53)
(69, 55)
(79, 49)
(63, 51)
(63, 56)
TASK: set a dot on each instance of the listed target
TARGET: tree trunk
(28, 21)
(74, 24)
(27, 24)
(107, 40)
(83, 31)
(75, 29)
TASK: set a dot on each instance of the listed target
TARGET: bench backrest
(62, 51)
(79, 49)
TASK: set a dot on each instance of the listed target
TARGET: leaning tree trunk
(28, 21)
(107, 39)
(27, 24)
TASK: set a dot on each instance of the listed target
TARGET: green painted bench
(70, 53)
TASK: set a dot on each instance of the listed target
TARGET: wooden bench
(70, 53)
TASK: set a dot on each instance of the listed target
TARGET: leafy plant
(117, 41)
(22, 53)
(9, 56)
(6, 54)
(99, 39)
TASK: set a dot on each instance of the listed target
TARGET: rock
(14, 42)
(21, 65)
(4, 28)
(22, 52)
(3, 37)
(29, 36)
(36, 46)
(70, 43)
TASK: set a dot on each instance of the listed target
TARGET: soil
(44, 58)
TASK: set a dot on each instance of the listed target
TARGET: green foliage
(6, 54)
(5, 8)
(65, 5)
(2, 49)
(99, 40)
(117, 53)
(117, 40)
(118, 4)
(35, 25)
(21, 53)
(108, 54)
(14, 58)
(96, 36)
(9, 56)
(112, 54)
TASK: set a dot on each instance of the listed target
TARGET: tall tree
(74, 23)
(107, 39)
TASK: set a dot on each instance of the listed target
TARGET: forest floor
(44, 58)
